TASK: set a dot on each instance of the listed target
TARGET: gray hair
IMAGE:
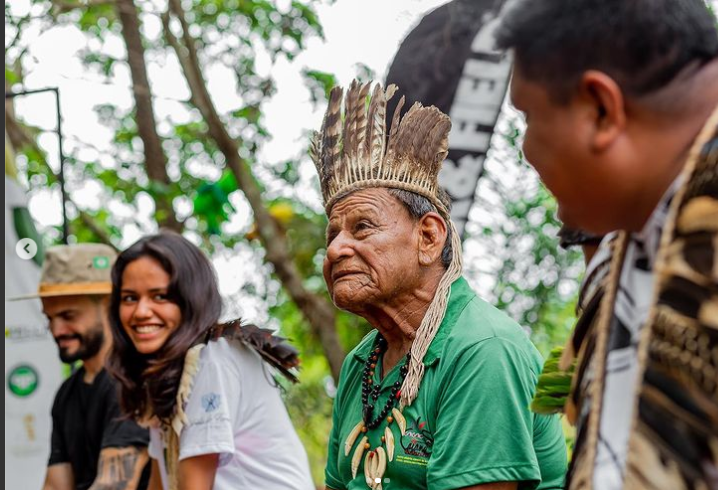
(418, 206)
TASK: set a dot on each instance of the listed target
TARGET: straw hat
(71, 270)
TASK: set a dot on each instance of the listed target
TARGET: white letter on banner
(459, 180)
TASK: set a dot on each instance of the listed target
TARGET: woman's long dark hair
(149, 383)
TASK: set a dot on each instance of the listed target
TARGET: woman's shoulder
(230, 352)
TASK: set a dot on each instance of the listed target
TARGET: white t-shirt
(235, 410)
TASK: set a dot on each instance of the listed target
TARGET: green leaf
(319, 84)
(11, 77)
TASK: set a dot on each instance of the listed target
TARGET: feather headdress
(357, 152)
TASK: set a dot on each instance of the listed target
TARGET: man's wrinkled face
(77, 325)
(557, 143)
(371, 250)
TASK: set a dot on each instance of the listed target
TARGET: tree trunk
(320, 314)
(155, 158)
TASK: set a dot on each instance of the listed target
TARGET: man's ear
(607, 108)
(432, 236)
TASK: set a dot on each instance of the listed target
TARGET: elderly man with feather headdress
(437, 395)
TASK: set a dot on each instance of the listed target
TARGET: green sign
(23, 380)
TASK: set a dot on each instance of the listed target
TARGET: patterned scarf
(650, 313)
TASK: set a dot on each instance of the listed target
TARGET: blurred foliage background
(198, 170)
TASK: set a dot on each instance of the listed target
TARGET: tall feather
(419, 144)
(382, 148)
(390, 91)
(407, 128)
(376, 131)
(366, 150)
(352, 113)
(436, 146)
(395, 124)
(360, 118)
(315, 150)
(330, 145)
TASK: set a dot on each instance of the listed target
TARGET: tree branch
(155, 158)
(320, 314)
(16, 133)
(95, 228)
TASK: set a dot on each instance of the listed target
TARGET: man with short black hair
(620, 99)
(92, 446)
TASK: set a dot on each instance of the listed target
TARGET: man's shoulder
(230, 354)
(480, 321)
(68, 386)
(481, 325)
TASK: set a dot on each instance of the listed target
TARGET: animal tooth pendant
(374, 467)
(352, 437)
(380, 466)
(356, 459)
(389, 439)
(400, 420)
(367, 469)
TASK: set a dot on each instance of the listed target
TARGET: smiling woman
(201, 387)
(146, 311)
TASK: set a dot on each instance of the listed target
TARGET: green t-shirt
(470, 423)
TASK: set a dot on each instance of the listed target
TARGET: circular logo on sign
(101, 262)
(23, 380)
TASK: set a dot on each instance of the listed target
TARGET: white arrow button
(26, 248)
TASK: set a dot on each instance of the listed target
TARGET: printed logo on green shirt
(417, 441)
(412, 460)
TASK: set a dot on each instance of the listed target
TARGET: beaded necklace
(375, 460)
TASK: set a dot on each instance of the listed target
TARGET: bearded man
(92, 446)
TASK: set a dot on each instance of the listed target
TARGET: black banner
(448, 61)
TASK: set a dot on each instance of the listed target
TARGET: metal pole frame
(61, 174)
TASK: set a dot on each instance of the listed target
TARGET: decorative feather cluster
(273, 349)
(355, 152)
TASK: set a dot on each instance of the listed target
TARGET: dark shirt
(86, 418)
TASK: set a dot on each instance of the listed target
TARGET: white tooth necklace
(375, 461)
